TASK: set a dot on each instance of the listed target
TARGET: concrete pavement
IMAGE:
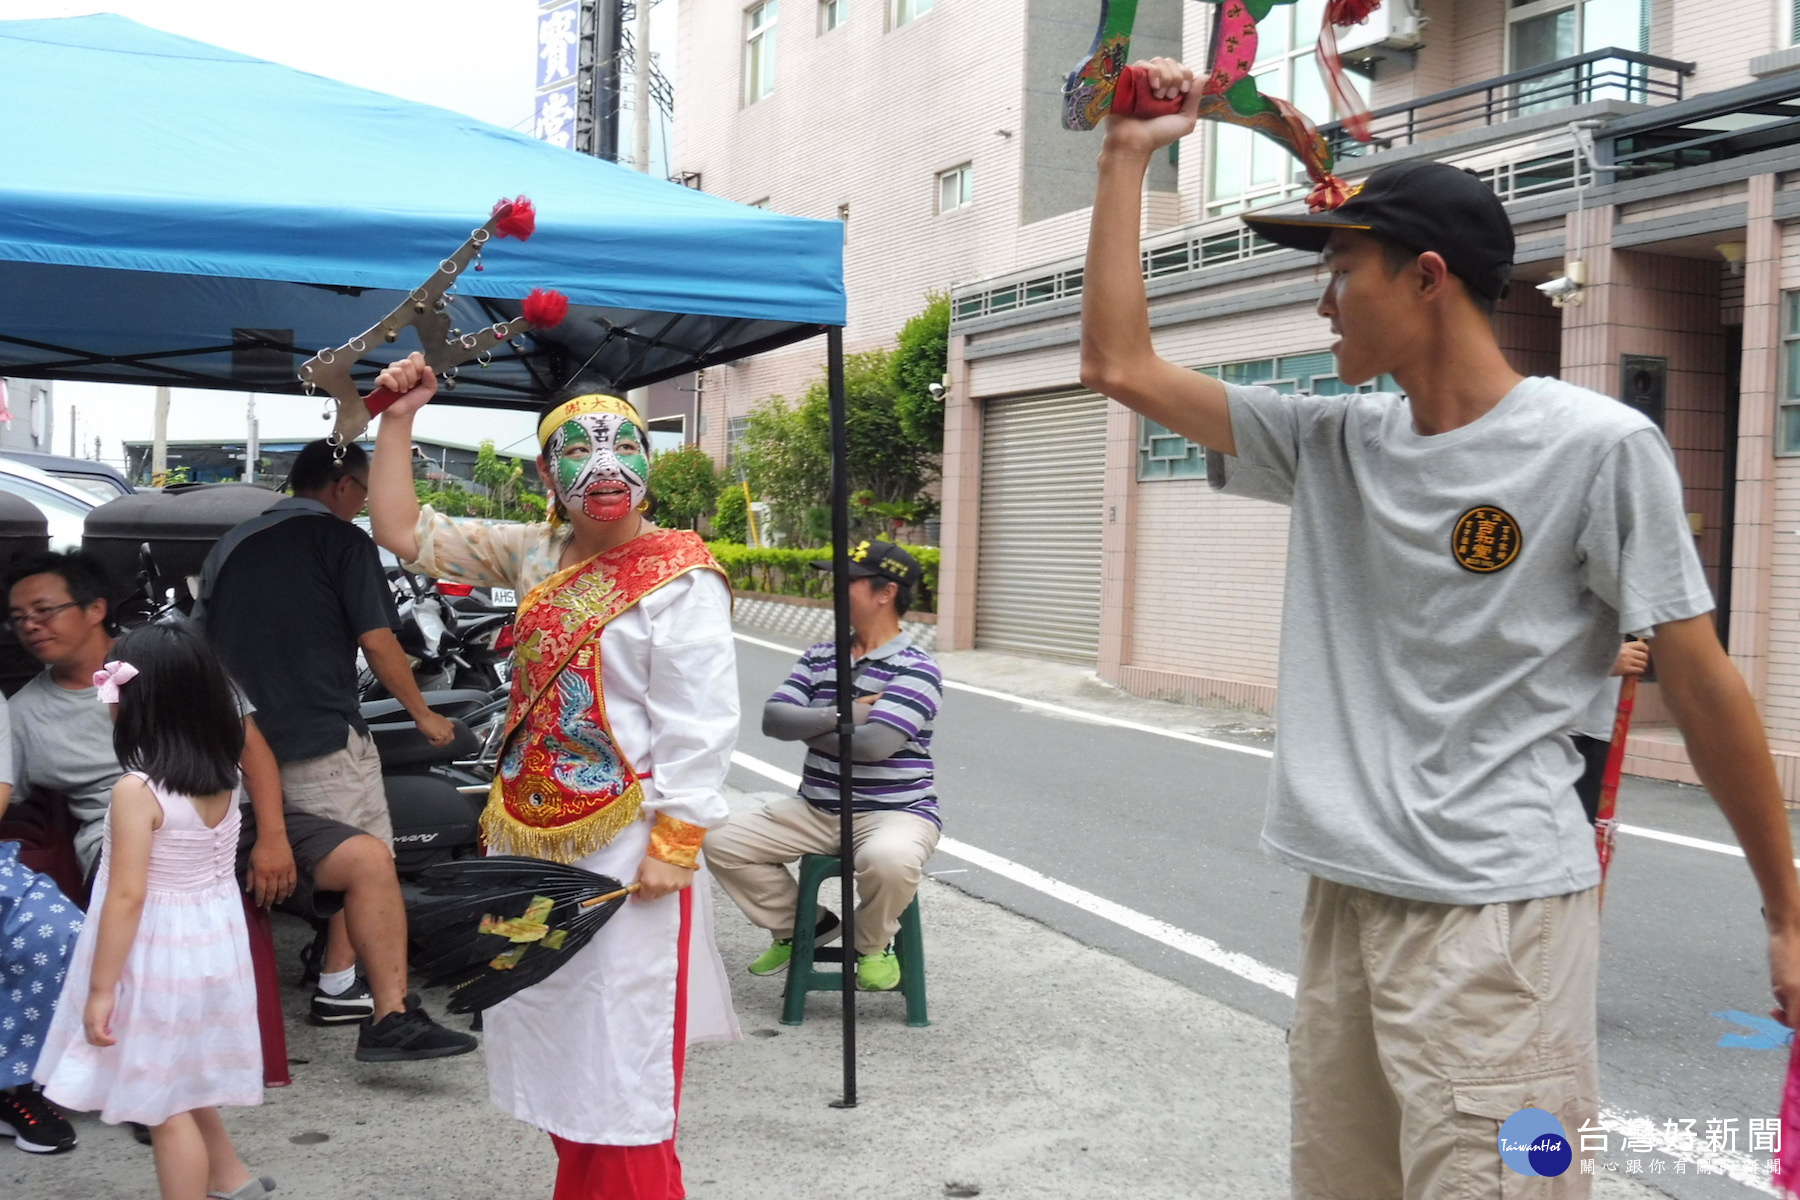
(1050, 1070)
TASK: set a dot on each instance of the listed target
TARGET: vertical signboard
(558, 63)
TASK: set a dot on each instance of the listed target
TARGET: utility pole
(159, 446)
(640, 91)
(609, 43)
(71, 431)
(252, 445)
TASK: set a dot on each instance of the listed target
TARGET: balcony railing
(1609, 74)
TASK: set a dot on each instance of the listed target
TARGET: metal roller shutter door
(1043, 473)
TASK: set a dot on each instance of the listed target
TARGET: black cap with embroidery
(876, 559)
(1421, 205)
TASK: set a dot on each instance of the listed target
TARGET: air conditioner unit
(1396, 25)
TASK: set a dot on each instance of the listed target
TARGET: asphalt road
(1168, 828)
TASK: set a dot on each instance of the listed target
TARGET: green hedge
(786, 572)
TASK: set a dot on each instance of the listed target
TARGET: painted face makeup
(601, 465)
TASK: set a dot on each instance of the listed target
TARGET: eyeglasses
(21, 621)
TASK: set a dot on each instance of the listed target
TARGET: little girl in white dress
(157, 1018)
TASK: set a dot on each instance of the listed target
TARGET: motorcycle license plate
(503, 596)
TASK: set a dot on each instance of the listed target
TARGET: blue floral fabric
(38, 925)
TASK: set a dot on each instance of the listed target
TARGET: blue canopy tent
(181, 214)
(175, 213)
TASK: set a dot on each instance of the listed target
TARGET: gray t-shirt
(63, 740)
(1452, 605)
(1596, 720)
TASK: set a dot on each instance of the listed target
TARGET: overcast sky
(487, 51)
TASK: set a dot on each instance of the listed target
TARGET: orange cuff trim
(676, 842)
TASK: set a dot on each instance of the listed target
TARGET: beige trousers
(1419, 1028)
(343, 786)
(749, 857)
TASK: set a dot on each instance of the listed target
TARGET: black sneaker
(354, 1003)
(408, 1036)
(35, 1125)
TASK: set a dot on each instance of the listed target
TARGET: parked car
(104, 482)
(64, 505)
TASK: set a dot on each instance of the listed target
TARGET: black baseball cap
(1421, 205)
(875, 559)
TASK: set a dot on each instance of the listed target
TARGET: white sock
(336, 983)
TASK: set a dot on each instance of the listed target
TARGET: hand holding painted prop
(427, 309)
(1104, 83)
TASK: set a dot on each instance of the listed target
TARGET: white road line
(1678, 839)
(1743, 1168)
(1203, 948)
(1060, 710)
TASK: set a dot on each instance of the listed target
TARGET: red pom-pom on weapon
(545, 309)
(517, 218)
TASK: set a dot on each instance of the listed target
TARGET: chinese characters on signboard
(558, 63)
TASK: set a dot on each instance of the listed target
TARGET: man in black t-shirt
(289, 598)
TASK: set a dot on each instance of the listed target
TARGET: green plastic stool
(803, 977)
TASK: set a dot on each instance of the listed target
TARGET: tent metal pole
(840, 601)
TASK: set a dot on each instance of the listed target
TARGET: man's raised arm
(1117, 359)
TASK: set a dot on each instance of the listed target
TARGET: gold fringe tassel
(566, 843)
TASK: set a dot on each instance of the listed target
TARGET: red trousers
(589, 1172)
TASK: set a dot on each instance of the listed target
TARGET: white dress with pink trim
(185, 1021)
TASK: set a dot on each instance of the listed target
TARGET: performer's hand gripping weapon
(427, 308)
(1106, 83)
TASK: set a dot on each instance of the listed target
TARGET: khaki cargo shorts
(344, 785)
(1419, 1028)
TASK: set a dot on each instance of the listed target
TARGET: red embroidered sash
(564, 788)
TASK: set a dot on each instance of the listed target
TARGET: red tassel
(1327, 194)
(545, 309)
(1344, 13)
(517, 218)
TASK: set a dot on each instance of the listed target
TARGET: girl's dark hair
(178, 721)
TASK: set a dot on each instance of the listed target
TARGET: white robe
(588, 1054)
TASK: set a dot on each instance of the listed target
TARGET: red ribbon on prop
(518, 218)
(1132, 97)
(1345, 99)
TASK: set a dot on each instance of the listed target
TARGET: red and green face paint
(602, 465)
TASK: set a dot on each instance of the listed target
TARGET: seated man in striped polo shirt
(896, 823)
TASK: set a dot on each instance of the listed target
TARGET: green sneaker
(878, 972)
(775, 958)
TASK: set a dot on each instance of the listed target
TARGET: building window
(735, 428)
(1790, 376)
(956, 188)
(759, 50)
(1542, 31)
(833, 13)
(1248, 169)
(908, 11)
(1166, 455)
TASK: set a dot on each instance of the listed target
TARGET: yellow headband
(581, 406)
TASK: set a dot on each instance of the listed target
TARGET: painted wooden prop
(1105, 83)
(1606, 830)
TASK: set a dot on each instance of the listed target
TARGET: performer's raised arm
(1117, 358)
(393, 504)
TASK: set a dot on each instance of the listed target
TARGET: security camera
(1559, 288)
(936, 389)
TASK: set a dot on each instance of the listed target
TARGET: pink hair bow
(111, 677)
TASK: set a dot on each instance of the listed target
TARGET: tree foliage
(731, 520)
(921, 356)
(786, 457)
(685, 486)
(504, 490)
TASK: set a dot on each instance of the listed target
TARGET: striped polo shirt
(911, 689)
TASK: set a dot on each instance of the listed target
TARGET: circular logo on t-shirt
(1486, 539)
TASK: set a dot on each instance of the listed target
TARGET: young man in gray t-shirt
(1462, 561)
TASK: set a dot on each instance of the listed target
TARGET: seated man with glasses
(63, 742)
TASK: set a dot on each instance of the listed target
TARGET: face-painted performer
(617, 769)
(597, 459)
